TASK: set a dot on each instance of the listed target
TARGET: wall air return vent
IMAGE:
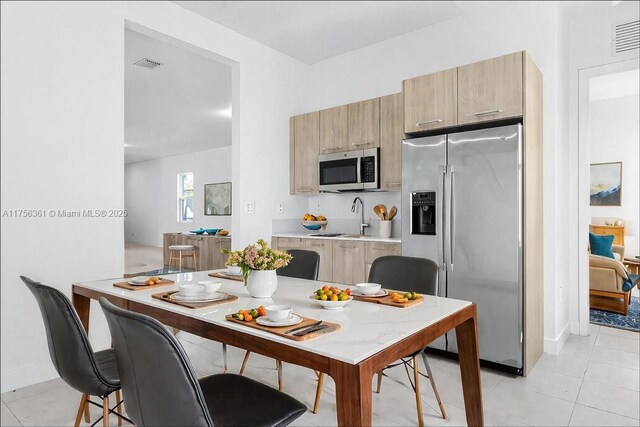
(626, 37)
(147, 63)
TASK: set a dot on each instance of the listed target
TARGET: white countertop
(366, 328)
(365, 238)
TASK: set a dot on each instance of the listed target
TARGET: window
(185, 197)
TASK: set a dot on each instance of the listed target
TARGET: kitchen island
(208, 248)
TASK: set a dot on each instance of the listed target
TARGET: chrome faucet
(363, 224)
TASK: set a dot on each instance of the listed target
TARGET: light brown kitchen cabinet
(373, 250)
(325, 250)
(430, 101)
(391, 142)
(286, 243)
(334, 130)
(490, 89)
(348, 262)
(364, 124)
(306, 144)
(208, 249)
(168, 239)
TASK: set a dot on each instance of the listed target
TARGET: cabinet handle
(347, 247)
(194, 238)
(305, 190)
(333, 148)
(394, 183)
(483, 113)
(428, 122)
(361, 144)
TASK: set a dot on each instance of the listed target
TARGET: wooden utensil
(392, 213)
(383, 208)
(378, 211)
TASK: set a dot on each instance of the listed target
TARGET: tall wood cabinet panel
(391, 142)
(306, 141)
(490, 89)
(348, 262)
(325, 250)
(334, 130)
(430, 101)
(364, 124)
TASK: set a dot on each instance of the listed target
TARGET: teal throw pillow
(601, 245)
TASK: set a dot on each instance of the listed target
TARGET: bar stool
(190, 252)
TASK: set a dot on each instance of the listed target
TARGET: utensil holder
(385, 229)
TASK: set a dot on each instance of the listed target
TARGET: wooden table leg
(467, 337)
(82, 305)
(353, 392)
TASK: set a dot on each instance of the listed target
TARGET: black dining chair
(91, 373)
(303, 265)
(161, 387)
(419, 275)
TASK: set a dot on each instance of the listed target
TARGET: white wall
(62, 147)
(151, 188)
(614, 137)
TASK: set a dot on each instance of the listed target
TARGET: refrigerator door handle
(452, 217)
(440, 232)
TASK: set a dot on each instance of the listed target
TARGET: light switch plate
(281, 208)
(249, 207)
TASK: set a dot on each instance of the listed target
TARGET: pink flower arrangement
(258, 256)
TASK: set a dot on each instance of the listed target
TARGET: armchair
(606, 279)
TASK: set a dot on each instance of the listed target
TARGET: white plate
(139, 280)
(203, 297)
(330, 305)
(131, 282)
(381, 293)
(294, 319)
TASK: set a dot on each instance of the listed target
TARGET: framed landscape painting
(606, 184)
(217, 199)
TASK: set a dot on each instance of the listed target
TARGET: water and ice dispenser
(423, 212)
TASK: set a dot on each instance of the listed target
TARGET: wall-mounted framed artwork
(606, 184)
(217, 198)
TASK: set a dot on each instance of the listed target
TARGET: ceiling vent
(626, 37)
(147, 63)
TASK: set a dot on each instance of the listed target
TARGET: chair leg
(195, 263)
(83, 404)
(416, 379)
(316, 403)
(180, 264)
(433, 385)
(87, 415)
(224, 356)
(379, 381)
(244, 362)
(279, 368)
(105, 411)
(119, 407)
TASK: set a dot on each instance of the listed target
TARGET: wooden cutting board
(281, 330)
(164, 296)
(126, 285)
(225, 276)
(387, 300)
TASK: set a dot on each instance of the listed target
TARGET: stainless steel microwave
(349, 171)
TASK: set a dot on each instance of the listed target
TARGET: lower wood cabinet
(208, 249)
(348, 262)
(324, 248)
(373, 250)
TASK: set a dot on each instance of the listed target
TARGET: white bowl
(191, 290)
(234, 269)
(331, 305)
(210, 286)
(277, 313)
(368, 288)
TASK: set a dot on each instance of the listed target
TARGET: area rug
(630, 322)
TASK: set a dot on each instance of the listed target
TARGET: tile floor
(593, 382)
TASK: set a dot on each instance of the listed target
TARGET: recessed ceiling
(614, 85)
(181, 106)
(313, 31)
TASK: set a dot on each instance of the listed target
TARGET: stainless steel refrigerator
(462, 208)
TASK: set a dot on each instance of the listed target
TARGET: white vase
(262, 283)
(385, 229)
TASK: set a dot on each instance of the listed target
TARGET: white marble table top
(366, 328)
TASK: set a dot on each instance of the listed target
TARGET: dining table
(371, 336)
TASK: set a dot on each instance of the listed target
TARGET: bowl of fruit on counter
(314, 223)
(332, 298)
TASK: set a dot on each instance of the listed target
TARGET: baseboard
(27, 375)
(554, 346)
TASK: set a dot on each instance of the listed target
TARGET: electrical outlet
(281, 208)
(318, 207)
(249, 207)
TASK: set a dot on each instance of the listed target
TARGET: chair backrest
(159, 385)
(303, 265)
(405, 273)
(69, 348)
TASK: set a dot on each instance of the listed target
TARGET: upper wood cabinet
(334, 130)
(430, 101)
(364, 124)
(391, 142)
(491, 89)
(304, 162)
